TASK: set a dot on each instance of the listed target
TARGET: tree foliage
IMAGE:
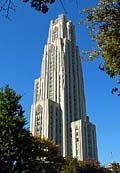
(72, 165)
(45, 155)
(40, 5)
(6, 6)
(115, 167)
(20, 152)
(103, 22)
(93, 166)
(15, 141)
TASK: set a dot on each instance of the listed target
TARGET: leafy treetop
(103, 22)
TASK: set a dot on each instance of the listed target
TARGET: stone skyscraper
(58, 111)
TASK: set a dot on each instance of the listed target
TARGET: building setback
(58, 111)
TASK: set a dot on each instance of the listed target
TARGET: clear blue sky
(22, 43)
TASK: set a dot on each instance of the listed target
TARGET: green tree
(45, 155)
(103, 22)
(89, 166)
(20, 152)
(71, 165)
(15, 140)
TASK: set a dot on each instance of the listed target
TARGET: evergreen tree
(15, 140)
(20, 152)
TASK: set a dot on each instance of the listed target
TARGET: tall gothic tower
(58, 111)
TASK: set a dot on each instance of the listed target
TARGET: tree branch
(6, 6)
